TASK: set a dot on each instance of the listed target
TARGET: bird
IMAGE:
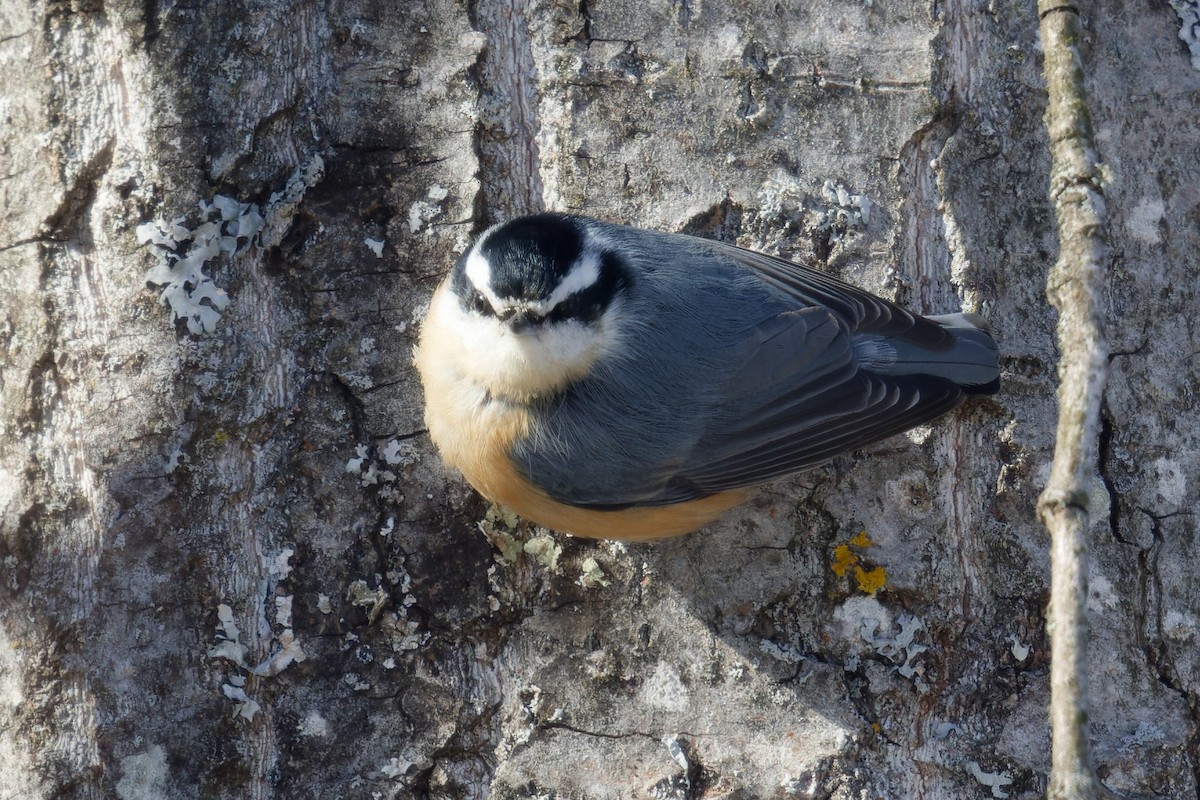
(612, 382)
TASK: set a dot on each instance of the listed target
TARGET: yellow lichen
(843, 559)
(870, 581)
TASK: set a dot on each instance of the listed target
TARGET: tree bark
(231, 564)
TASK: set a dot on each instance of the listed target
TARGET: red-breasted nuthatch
(626, 384)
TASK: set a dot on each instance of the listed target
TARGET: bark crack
(921, 210)
(1104, 458)
(551, 725)
(1150, 613)
(508, 127)
(585, 12)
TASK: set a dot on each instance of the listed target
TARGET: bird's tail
(970, 359)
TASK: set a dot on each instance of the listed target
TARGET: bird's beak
(524, 322)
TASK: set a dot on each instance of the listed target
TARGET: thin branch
(1074, 288)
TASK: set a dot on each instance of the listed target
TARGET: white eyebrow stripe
(583, 275)
(479, 273)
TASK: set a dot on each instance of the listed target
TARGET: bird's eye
(479, 303)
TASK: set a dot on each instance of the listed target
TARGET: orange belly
(504, 486)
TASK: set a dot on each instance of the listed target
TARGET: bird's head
(536, 301)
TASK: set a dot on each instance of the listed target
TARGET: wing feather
(814, 408)
(862, 311)
(886, 412)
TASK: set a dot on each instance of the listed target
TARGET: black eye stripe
(480, 304)
(586, 305)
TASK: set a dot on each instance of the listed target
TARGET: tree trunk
(231, 564)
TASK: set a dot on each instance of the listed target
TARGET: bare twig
(1074, 288)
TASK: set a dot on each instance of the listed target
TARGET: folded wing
(800, 400)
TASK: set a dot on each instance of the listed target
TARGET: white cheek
(511, 365)
(565, 345)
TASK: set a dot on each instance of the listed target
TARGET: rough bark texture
(231, 566)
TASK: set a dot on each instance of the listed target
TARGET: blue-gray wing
(799, 400)
(862, 311)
